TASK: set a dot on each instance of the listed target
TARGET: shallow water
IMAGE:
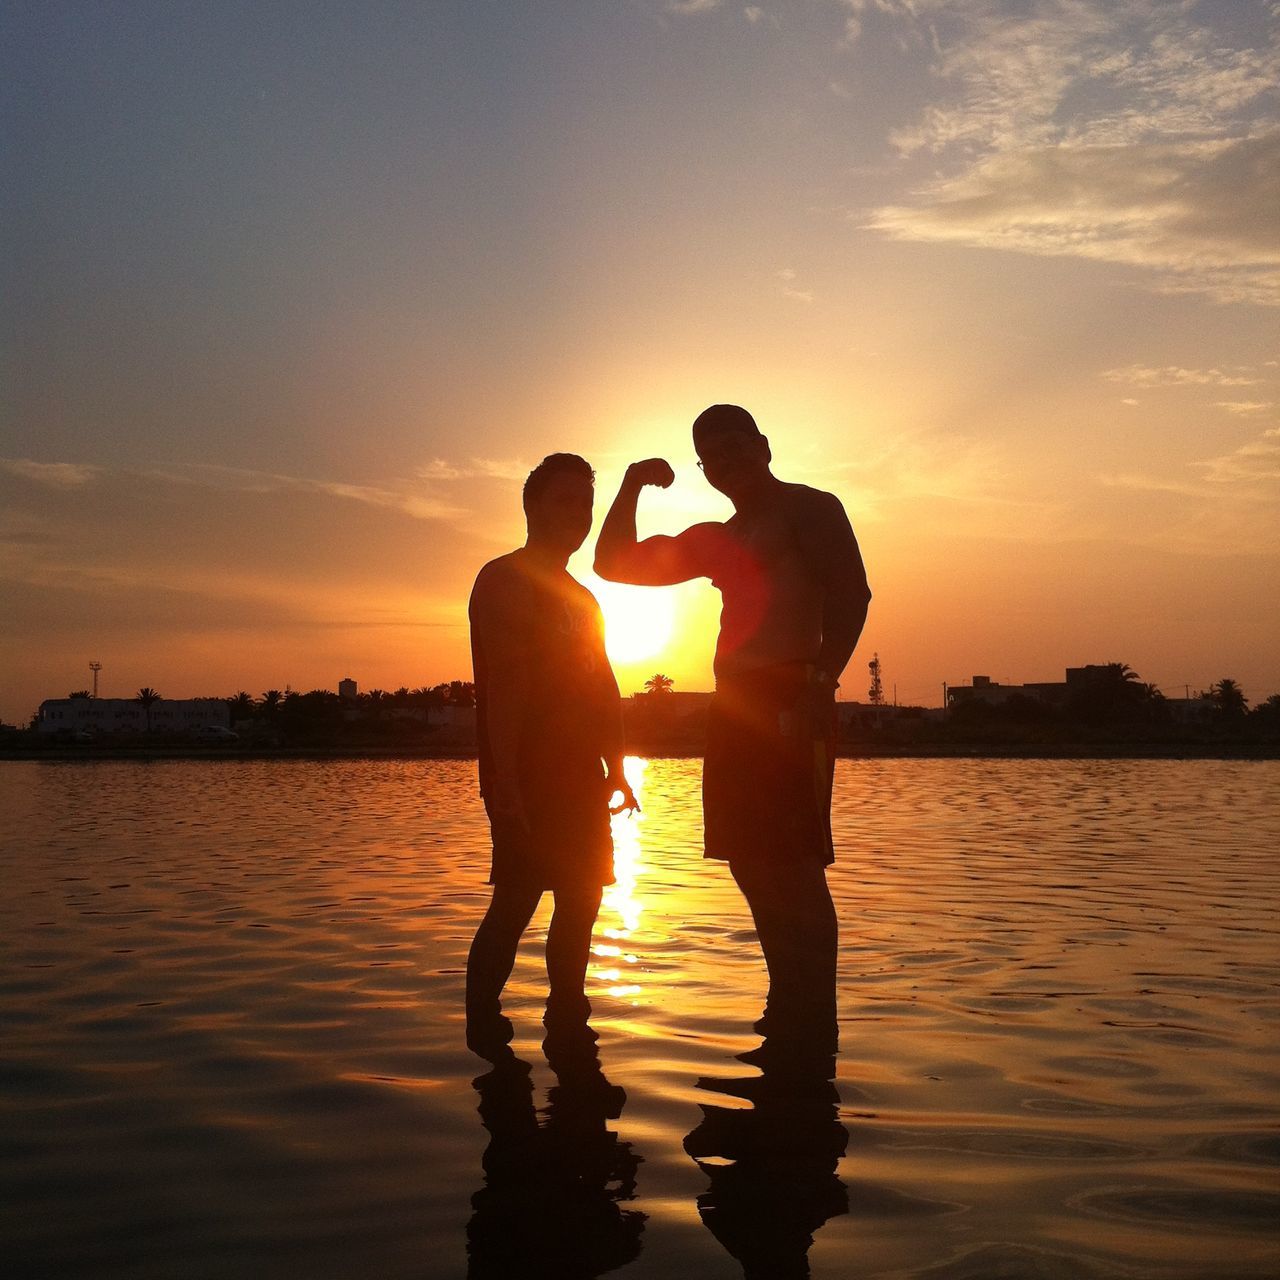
(232, 1044)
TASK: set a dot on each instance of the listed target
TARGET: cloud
(438, 470)
(1253, 464)
(691, 6)
(416, 503)
(787, 277)
(1253, 468)
(56, 475)
(1140, 375)
(1122, 132)
(1224, 505)
(1244, 407)
(923, 477)
(226, 576)
(1202, 215)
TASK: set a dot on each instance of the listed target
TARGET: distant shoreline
(948, 751)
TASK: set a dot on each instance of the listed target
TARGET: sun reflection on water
(622, 906)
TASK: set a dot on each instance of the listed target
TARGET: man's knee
(578, 902)
(512, 906)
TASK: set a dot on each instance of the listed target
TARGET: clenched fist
(654, 471)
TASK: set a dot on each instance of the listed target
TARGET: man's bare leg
(569, 949)
(796, 923)
(493, 950)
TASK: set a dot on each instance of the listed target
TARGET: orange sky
(295, 309)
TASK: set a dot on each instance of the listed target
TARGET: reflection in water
(773, 1167)
(618, 972)
(553, 1183)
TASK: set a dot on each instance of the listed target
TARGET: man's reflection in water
(554, 1183)
(773, 1167)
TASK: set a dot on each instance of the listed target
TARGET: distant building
(127, 715)
(1054, 693)
(348, 690)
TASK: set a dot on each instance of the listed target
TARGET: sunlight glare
(620, 898)
(638, 621)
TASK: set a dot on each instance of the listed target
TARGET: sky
(294, 296)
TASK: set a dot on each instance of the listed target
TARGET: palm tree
(241, 706)
(658, 684)
(271, 700)
(1230, 698)
(147, 696)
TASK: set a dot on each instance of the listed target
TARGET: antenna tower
(95, 667)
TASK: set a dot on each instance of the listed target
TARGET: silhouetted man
(549, 733)
(795, 599)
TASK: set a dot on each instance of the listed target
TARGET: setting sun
(637, 620)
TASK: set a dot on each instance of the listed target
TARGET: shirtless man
(795, 599)
(549, 733)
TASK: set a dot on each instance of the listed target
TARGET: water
(232, 1039)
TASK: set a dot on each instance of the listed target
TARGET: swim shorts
(769, 766)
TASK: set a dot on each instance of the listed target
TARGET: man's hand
(654, 471)
(619, 786)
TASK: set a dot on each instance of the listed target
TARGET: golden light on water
(622, 908)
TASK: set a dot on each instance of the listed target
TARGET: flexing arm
(655, 562)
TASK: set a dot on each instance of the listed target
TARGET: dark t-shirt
(547, 628)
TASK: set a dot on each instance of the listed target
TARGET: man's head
(732, 453)
(558, 497)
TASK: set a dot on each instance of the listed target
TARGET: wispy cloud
(1123, 131)
(1226, 504)
(1200, 215)
(691, 6)
(422, 505)
(1140, 375)
(442, 471)
(933, 474)
(1253, 468)
(1255, 463)
(56, 475)
(1245, 408)
(787, 277)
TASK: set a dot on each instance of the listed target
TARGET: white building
(128, 715)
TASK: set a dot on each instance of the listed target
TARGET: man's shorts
(569, 842)
(769, 766)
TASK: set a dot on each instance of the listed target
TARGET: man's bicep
(662, 561)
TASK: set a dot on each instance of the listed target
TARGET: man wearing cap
(795, 599)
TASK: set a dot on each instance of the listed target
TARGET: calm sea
(232, 1034)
